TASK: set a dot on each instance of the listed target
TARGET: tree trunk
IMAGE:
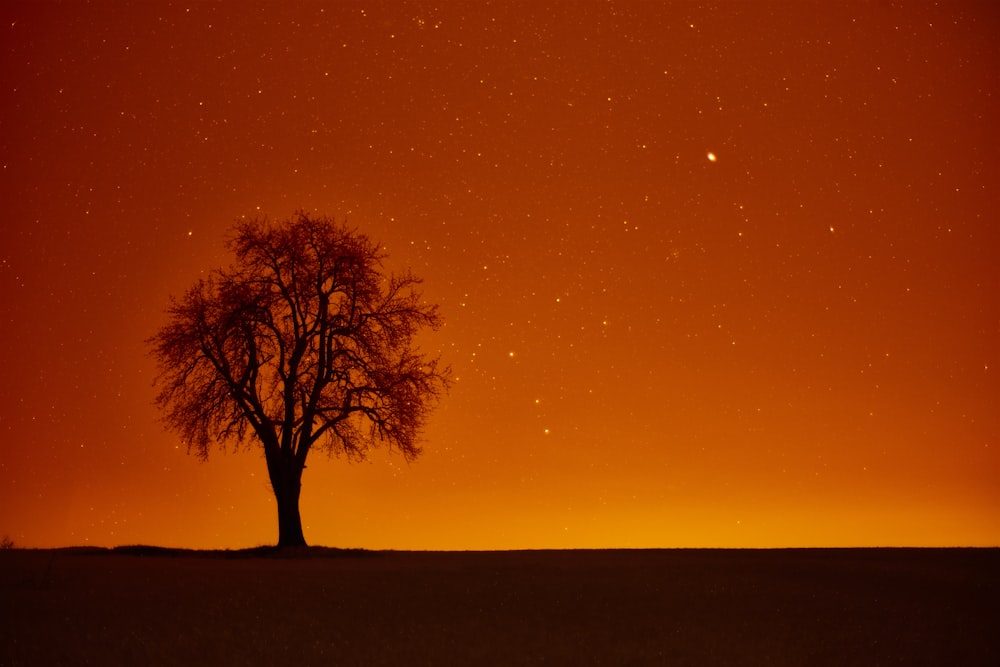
(286, 480)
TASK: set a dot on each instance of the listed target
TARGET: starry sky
(713, 274)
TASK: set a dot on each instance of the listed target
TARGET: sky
(713, 274)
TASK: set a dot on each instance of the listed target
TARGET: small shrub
(6, 543)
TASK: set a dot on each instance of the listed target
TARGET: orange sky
(793, 344)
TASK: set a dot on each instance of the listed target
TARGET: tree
(303, 342)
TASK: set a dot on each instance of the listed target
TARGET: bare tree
(302, 342)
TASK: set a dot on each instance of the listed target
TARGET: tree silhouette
(302, 342)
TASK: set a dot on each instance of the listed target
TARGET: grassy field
(146, 606)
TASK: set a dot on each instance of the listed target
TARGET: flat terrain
(146, 606)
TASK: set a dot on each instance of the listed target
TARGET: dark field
(146, 606)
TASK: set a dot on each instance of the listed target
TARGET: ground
(661, 607)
